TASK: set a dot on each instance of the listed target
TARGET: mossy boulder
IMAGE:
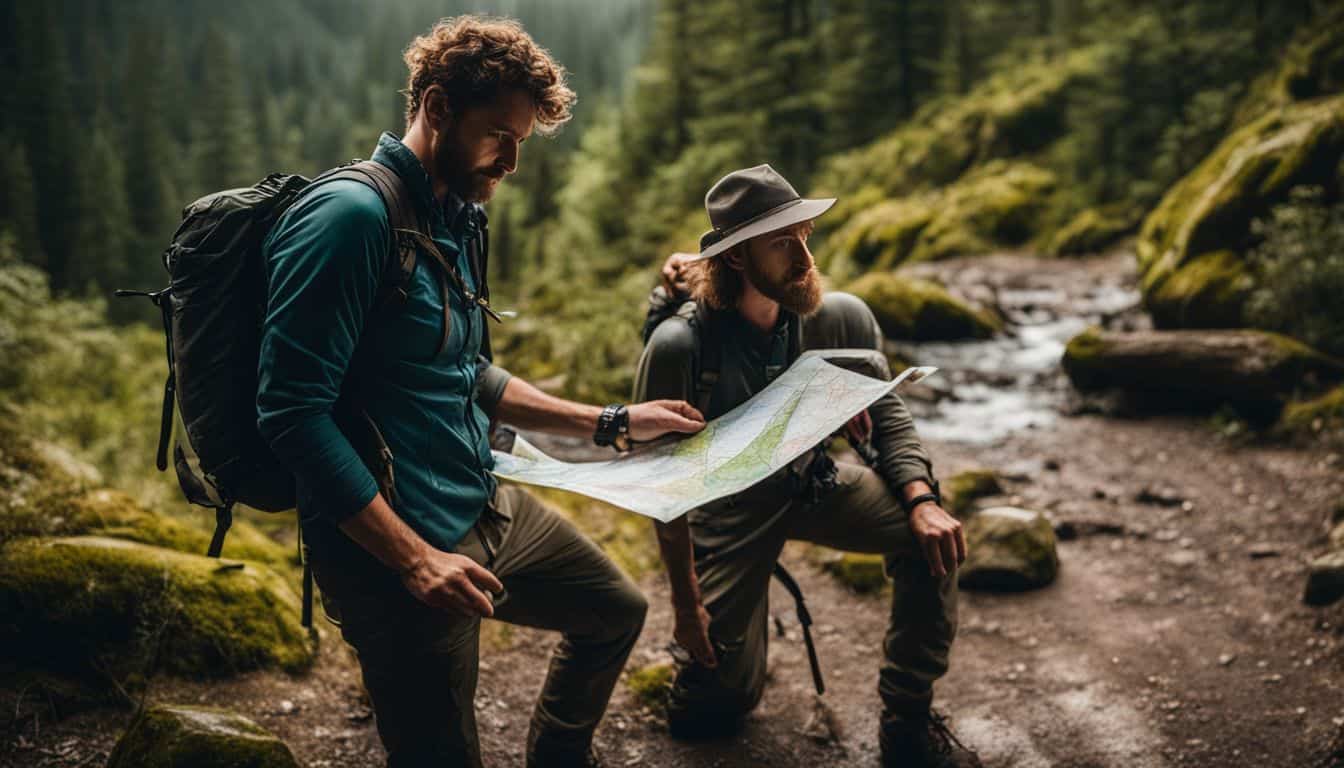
(1188, 243)
(919, 310)
(651, 684)
(109, 609)
(44, 491)
(997, 205)
(1257, 369)
(962, 490)
(1092, 230)
(861, 572)
(1325, 579)
(1008, 549)
(198, 737)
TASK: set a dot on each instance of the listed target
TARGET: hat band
(722, 233)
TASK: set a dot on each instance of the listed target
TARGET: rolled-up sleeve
(491, 380)
(666, 368)
(324, 260)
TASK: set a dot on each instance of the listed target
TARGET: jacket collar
(397, 156)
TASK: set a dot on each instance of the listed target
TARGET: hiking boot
(923, 741)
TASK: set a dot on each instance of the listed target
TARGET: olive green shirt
(750, 358)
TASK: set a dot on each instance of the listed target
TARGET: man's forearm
(674, 544)
(386, 536)
(527, 407)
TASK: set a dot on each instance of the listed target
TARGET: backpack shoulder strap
(710, 357)
(402, 218)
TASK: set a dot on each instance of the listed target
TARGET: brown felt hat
(751, 202)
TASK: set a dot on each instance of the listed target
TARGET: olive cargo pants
(420, 663)
(737, 541)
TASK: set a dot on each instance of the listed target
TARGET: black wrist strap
(935, 496)
(612, 425)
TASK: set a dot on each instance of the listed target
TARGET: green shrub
(1300, 269)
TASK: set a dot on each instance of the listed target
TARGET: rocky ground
(1174, 635)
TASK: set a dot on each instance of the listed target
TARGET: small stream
(988, 390)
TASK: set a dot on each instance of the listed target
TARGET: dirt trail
(1181, 641)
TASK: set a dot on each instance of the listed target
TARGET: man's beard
(800, 294)
(472, 185)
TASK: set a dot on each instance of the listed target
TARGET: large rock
(97, 608)
(1254, 368)
(198, 737)
(1325, 579)
(1191, 246)
(997, 205)
(1092, 230)
(1324, 412)
(911, 309)
(1009, 549)
(962, 490)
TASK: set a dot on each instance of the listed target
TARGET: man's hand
(452, 582)
(859, 428)
(658, 417)
(673, 280)
(941, 537)
(691, 631)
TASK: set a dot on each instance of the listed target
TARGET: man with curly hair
(726, 322)
(413, 546)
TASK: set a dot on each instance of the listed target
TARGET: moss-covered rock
(109, 609)
(1325, 579)
(198, 737)
(1092, 230)
(962, 490)
(1198, 368)
(996, 205)
(918, 310)
(1325, 412)
(1008, 549)
(1211, 210)
(651, 684)
(859, 571)
(46, 492)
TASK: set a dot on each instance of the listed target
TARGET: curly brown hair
(473, 58)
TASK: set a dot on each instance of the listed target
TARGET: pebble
(286, 707)
(1274, 678)
(1226, 659)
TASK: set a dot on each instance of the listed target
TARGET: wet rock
(1162, 497)
(198, 737)
(1325, 579)
(919, 310)
(94, 607)
(1010, 549)
(1197, 368)
(1092, 230)
(1190, 247)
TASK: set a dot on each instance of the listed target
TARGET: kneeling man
(756, 305)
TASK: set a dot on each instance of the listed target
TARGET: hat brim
(805, 210)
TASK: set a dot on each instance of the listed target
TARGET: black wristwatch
(936, 496)
(613, 428)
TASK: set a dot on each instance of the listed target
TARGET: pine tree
(222, 142)
(148, 145)
(18, 206)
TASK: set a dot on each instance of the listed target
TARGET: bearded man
(413, 546)
(756, 305)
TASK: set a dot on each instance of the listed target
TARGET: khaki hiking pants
(737, 541)
(420, 663)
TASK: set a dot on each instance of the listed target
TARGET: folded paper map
(803, 406)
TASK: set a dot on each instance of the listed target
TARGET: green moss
(1325, 412)
(918, 310)
(1207, 292)
(962, 490)
(1254, 168)
(200, 737)
(1091, 230)
(859, 571)
(651, 684)
(1082, 360)
(1009, 549)
(997, 205)
(108, 608)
